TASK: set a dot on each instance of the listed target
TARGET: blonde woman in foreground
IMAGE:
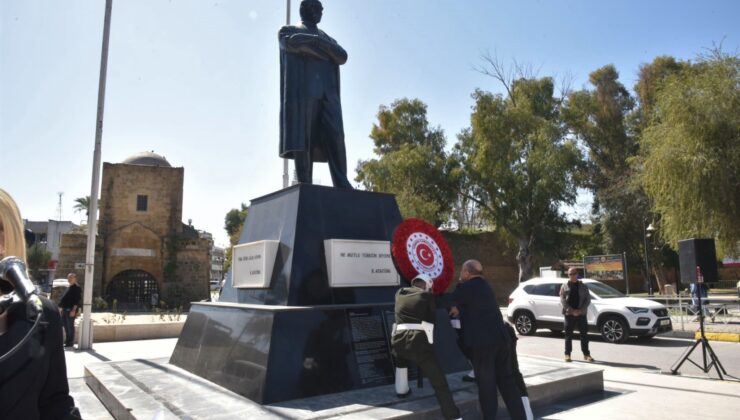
(33, 376)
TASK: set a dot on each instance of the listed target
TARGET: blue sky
(197, 81)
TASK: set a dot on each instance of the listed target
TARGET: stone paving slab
(86, 401)
(145, 389)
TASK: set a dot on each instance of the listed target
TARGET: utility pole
(59, 205)
(285, 161)
(86, 338)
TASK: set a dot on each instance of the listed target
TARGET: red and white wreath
(418, 247)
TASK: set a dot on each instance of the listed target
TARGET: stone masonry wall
(498, 258)
(73, 250)
(122, 184)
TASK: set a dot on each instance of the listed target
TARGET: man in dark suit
(485, 335)
(68, 308)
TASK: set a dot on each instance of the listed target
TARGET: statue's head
(311, 11)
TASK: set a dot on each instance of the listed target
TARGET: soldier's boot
(402, 383)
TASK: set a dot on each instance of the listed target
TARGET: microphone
(13, 270)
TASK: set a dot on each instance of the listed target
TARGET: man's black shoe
(68, 344)
(403, 395)
(468, 378)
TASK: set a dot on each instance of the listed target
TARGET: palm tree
(83, 203)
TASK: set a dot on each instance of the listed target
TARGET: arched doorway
(132, 289)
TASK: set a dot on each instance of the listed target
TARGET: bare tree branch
(565, 85)
(495, 68)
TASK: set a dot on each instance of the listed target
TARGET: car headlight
(638, 310)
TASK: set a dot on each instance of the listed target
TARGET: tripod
(706, 349)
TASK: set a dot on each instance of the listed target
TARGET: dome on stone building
(148, 159)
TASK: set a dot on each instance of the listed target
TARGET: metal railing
(684, 312)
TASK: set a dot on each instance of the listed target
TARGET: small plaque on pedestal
(354, 263)
(253, 263)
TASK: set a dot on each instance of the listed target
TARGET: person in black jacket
(485, 335)
(69, 304)
(33, 380)
(575, 299)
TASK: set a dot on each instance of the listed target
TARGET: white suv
(536, 304)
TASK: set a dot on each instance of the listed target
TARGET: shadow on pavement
(622, 365)
(632, 341)
(92, 353)
(573, 403)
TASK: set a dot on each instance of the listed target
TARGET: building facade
(217, 264)
(149, 256)
(48, 235)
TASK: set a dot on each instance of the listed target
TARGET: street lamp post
(648, 232)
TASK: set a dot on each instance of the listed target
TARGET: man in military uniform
(412, 341)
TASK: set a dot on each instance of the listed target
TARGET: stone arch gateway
(132, 289)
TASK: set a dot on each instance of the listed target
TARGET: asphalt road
(657, 354)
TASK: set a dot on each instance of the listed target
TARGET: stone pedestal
(299, 337)
(301, 218)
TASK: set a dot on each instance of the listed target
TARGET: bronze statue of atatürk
(311, 128)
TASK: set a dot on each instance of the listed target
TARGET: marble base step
(146, 389)
(87, 402)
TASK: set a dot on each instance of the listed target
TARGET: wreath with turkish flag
(418, 247)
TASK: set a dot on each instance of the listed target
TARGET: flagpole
(86, 338)
(285, 161)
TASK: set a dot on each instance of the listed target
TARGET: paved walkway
(629, 394)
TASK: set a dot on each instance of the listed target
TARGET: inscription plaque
(370, 343)
(353, 263)
(253, 263)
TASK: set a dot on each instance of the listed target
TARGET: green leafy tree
(37, 258)
(600, 119)
(519, 164)
(651, 77)
(233, 224)
(412, 162)
(691, 161)
(466, 215)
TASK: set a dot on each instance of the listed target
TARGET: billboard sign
(604, 267)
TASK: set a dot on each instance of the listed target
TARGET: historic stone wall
(190, 280)
(73, 250)
(154, 240)
(133, 247)
(498, 258)
(122, 184)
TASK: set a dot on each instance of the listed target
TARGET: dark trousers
(570, 323)
(494, 373)
(518, 378)
(324, 125)
(68, 322)
(427, 362)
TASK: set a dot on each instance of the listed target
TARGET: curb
(678, 334)
(719, 336)
(711, 336)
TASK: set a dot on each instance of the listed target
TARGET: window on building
(141, 202)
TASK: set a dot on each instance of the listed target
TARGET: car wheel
(525, 323)
(614, 330)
